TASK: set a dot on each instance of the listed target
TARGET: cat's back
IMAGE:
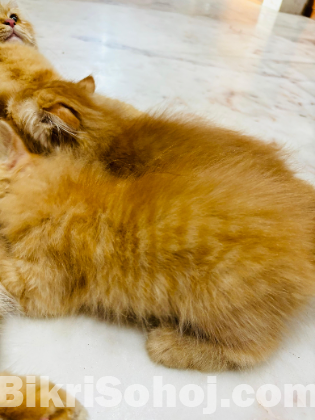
(218, 229)
(162, 141)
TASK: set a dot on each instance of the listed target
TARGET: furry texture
(21, 65)
(205, 236)
(62, 114)
(21, 32)
(57, 113)
(215, 261)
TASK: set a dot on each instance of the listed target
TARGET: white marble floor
(234, 63)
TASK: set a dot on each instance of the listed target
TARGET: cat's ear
(65, 114)
(12, 148)
(88, 84)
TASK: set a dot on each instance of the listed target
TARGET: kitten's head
(56, 114)
(13, 27)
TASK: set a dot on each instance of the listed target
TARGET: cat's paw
(169, 347)
(77, 413)
(52, 413)
(9, 410)
(34, 414)
(164, 347)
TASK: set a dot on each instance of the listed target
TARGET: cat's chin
(14, 38)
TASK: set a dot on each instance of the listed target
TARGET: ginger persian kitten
(13, 26)
(21, 64)
(203, 235)
(23, 67)
(214, 261)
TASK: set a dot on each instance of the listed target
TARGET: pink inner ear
(14, 148)
(65, 115)
(15, 158)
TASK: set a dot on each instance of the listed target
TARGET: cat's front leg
(172, 348)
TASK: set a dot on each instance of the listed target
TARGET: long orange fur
(203, 235)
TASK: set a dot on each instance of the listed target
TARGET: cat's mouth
(14, 37)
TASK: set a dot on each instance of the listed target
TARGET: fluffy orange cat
(20, 62)
(206, 236)
(203, 235)
(68, 115)
(220, 258)
(230, 248)
(22, 66)
(14, 27)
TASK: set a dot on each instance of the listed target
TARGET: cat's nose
(10, 22)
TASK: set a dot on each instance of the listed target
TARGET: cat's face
(54, 114)
(13, 27)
